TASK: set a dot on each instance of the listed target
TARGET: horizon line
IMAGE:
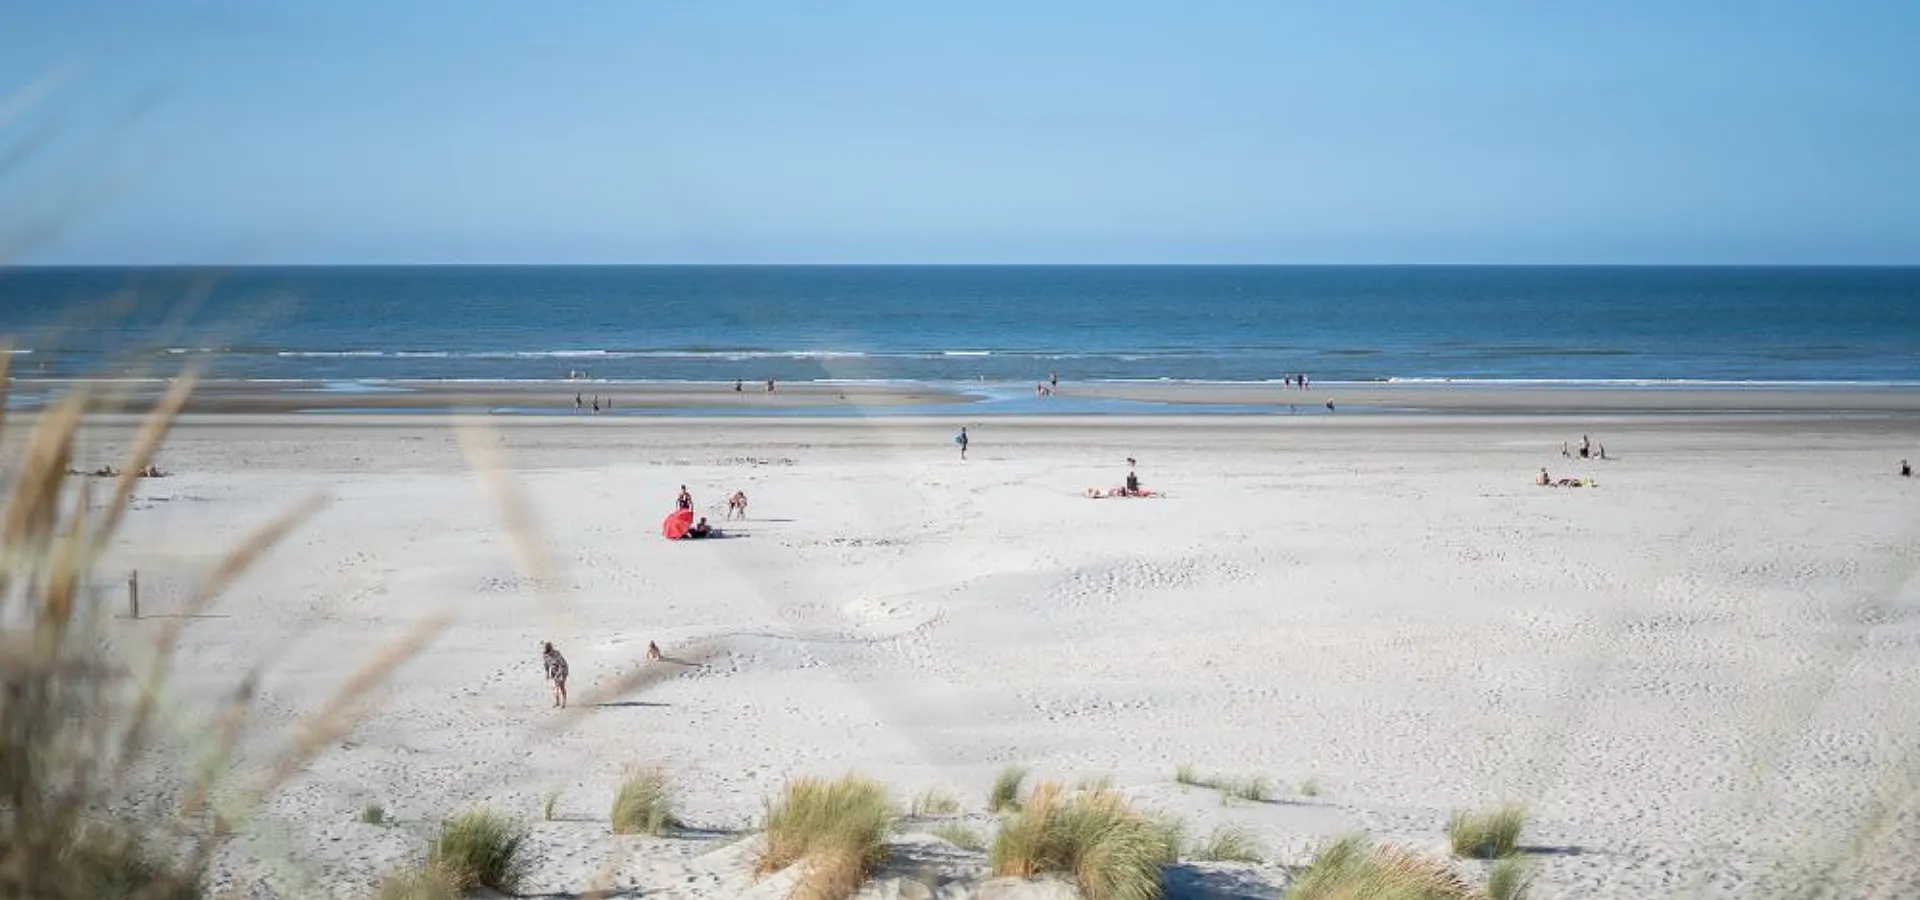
(959, 265)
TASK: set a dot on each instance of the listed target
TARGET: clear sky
(890, 131)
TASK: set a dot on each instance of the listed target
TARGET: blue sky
(598, 131)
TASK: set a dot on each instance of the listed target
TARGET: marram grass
(1110, 850)
(836, 829)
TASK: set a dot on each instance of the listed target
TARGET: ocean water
(998, 325)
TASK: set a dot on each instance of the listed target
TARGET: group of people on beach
(740, 387)
(147, 471)
(1130, 487)
(580, 403)
(1297, 381)
(736, 506)
(1588, 449)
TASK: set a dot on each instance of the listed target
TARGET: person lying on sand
(1094, 493)
(1543, 480)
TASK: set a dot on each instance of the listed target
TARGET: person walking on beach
(961, 439)
(556, 668)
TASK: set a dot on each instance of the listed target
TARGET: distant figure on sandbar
(961, 439)
(556, 668)
(1906, 471)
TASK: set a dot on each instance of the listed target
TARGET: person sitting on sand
(701, 529)
(1544, 480)
(151, 471)
(556, 668)
(653, 652)
(1133, 483)
(737, 503)
(1906, 471)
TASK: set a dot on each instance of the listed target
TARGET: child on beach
(556, 668)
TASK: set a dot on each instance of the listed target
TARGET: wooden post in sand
(133, 594)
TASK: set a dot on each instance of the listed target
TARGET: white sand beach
(1701, 675)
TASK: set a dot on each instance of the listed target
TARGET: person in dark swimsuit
(1906, 471)
(700, 529)
(1133, 484)
(685, 500)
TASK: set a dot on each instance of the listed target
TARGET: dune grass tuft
(1005, 794)
(77, 718)
(547, 805)
(837, 829)
(1487, 834)
(1172, 835)
(934, 802)
(1355, 869)
(373, 814)
(961, 836)
(1509, 879)
(1230, 843)
(418, 884)
(1254, 789)
(1093, 837)
(480, 848)
(643, 805)
(1310, 788)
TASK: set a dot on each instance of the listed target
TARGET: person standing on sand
(685, 500)
(961, 439)
(1053, 380)
(556, 668)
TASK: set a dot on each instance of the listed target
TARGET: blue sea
(970, 324)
